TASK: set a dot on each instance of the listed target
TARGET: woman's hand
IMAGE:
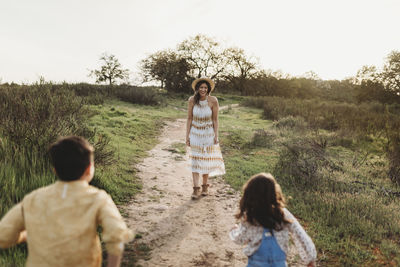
(216, 141)
(187, 141)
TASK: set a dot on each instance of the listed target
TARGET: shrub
(290, 122)
(138, 95)
(34, 116)
(393, 154)
(254, 102)
(301, 163)
(234, 140)
(262, 138)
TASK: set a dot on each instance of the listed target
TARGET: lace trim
(203, 127)
(202, 119)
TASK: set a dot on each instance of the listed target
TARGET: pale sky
(61, 39)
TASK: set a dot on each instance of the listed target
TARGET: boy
(59, 221)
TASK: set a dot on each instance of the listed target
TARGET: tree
(240, 68)
(110, 71)
(169, 68)
(367, 73)
(205, 56)
(391, 72)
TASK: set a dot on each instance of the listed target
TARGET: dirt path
(178, 230)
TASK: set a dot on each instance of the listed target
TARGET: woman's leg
(196, 179)
(204, 190)
(196, 187)
(205, 179)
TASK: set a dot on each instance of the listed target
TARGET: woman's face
(203, 89)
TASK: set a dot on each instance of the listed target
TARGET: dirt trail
(181, 231)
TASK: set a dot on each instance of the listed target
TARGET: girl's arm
(189, 120)
(239, 234)
(215, 109)
(302, 241)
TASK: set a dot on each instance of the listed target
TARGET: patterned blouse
(61, 221)
(246, 233)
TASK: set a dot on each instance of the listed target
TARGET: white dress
(206, 157)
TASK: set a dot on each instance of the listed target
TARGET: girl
(202, 135)
(265, 225)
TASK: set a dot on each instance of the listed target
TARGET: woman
(202, 135)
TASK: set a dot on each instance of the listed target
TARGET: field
(339, 178)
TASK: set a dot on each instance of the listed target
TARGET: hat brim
(211, 82)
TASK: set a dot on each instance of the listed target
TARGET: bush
(254, 102)
(290, 122)
(234, 140)
(138, 95)
(262, 138)
(34, 116)
(301, 163)
(393, 155)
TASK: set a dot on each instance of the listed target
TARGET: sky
(62, 40)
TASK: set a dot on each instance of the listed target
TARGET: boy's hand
(22, 237)
(113, 260)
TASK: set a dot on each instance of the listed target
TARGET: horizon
(62, 41)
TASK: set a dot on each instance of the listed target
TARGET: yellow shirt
(61, 222)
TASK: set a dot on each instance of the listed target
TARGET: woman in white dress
(202, 136)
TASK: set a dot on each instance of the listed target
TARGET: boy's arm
(115, 232)
(12, 227)
(113, 261)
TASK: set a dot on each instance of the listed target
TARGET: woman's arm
(215, 109)
(189, 120)
(302, 241)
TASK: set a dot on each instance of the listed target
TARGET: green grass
(351, 212)
(133, 130)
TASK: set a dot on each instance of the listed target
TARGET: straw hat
(211, 82)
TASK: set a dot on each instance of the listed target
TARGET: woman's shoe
(204, 189)
(196, 192)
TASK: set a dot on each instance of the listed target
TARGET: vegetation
(334, 169)
(334, 146)
(110, 71)
(34, 116)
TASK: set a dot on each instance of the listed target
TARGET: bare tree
(110, 71)
(240, 68)
(205, 56)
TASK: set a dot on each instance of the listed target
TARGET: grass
(132, 130)
(350, 209)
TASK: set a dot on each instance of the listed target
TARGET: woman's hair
(196, 93)
(262, 202)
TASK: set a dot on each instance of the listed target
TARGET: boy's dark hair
(70, 157)
(262, 202)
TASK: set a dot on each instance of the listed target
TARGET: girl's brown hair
(262, 202)
(197, 95)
